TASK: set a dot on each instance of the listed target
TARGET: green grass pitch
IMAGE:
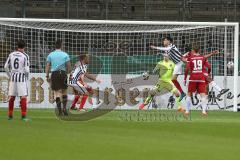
(110, 138)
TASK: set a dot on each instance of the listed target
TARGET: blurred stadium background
(160, 10)
(150, 10)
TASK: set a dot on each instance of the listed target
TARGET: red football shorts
(200, 87)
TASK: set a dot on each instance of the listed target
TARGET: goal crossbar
(121, 22)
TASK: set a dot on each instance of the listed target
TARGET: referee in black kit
(58, 62)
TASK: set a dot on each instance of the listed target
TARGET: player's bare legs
(178, 86)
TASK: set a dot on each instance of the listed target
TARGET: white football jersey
(17, 66)
(79, 70)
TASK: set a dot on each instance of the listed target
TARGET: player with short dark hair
(17, 68)
(58, 44)
(58, 62)
(21, 44)
(175, 55)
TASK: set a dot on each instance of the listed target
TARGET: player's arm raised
(215, 52)
(161, 49)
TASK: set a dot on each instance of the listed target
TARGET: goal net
(120, 54)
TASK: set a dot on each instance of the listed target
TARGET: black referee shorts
(59, 80)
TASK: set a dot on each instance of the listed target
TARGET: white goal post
(103, 38)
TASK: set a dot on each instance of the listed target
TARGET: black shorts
(59, 80)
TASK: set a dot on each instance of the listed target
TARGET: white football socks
(204, 104)
(215, 86)
(188, 104)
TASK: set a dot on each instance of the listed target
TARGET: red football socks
(83, 101)
(11, 106)
(141, 106)
(23, 103)
(177, 85)
(75, 101)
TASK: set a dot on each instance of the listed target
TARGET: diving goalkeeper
(165, 68)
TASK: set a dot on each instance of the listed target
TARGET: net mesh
(115, 48)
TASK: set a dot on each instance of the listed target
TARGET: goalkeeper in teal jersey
(165, 68)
